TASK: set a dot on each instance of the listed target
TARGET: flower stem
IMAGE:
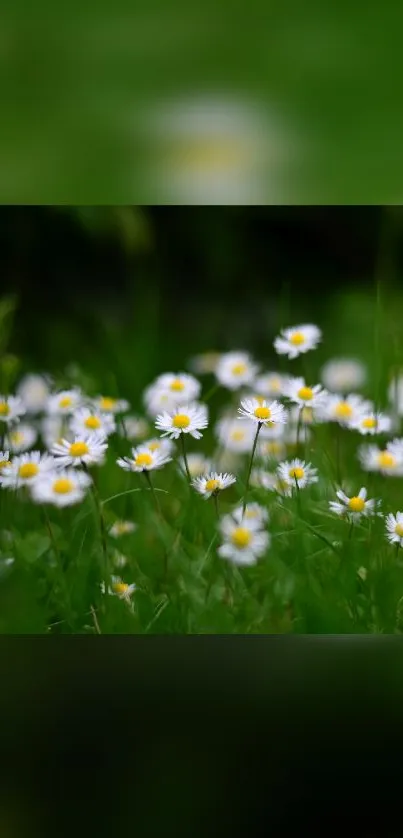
(153, 492)
(102, 529)
(250, 468)
(189, 476)
(211, 392)
(215, 496)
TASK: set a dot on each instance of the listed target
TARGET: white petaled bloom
(164, 446)
(155, 400)
(213, 483)
(262, 479)
(297, 339)
(88, 450)
(185, 419)
(107, 404)
(204, 363)
(344, 409)
(119, 560)
(394, 528)
(34, 392)
(143, 459)
(64, 403)
(54, 429)
(26, 469)
(255, 516)
(355, 507)
(181, 386)
(5, 461)
(86, 420)
(304, 416)
(235, 435)
(272, 449)
(372, 423)
(122, 528)
(243, 543)
(11, 408)
(120, 589)
(263, 412)
(61, 487)
(269, 384)
(304, 396)
(386, 461)
(197, 464)
(340, 375)
(21, 438)
(235, 370)
(135, 427)
(276, 432)
(297, 473)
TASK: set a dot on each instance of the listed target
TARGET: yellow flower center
(241, 537)
(212, 485)
(386, 460)
(274, 384)
(120, 587)
(181, 420)
(92, 422)
(273, 447)
(28, 470)
(143, 460)
(343, 410)
(4, 464)
(17, 437)
(297, 338)
(63, 486)
(154, 446)
(177, 385)
(107, 403)
(296, 472)
(356, 504)
(399, 530)
(369, 423)
(239, 369)
(237, 436)
(262, 413)
(4, 409)
(66, 401)
(78, 449)
(305, 393)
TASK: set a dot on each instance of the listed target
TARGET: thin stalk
(250, 468)
(154, 494)
(188, 475)
(211, 392)
(217, 512)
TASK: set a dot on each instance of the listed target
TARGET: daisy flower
(262, 479)
(185, 419)
(297, 472)
(272, 449)
(119, 560)
(197, 464)
(235, 370)
(298, 391)
(297, 339)
(135, 427)
(54, 429)
(263, 412)
(107, 404)
(386, 461)
(122, 528)
(394, 528)
(255, 516)
(120, 589)
(88, 450)
(4, 460)
(11, 408)
(143, 459)
(21, 438)
(269, 385)
(164, 446)
(34, 392)
(235, 434)
(86, 420)
(243, 543)
(213, 483)
(355, 507)
(341, 375)
(61, 487)
(344, 409)
(181, 386)
(204, 363)
(26, 469)
(372, 423)
(64, 403)
(303, 415)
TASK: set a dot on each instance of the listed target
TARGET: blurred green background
(174, 103)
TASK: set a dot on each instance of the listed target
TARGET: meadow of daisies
(241, 500)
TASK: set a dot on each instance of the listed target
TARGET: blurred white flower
(34, 392)
(341, 375)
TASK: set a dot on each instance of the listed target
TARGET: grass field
(319, 574)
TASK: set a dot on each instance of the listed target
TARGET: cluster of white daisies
(271, 414)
